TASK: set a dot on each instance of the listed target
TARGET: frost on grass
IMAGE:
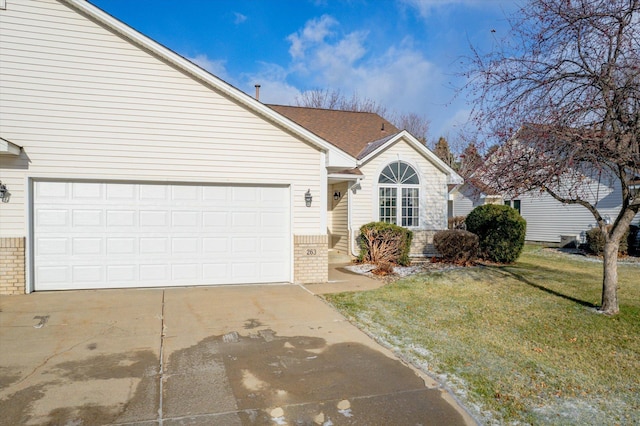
(569, 410)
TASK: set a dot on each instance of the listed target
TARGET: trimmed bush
(457, 246)
(382, 242)
(595, 242)
(501, 231)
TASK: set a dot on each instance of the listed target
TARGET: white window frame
(398, 191)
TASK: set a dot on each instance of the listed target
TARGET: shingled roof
(348, 130)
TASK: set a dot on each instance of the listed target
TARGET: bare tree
(566, 82)
(325, 99)
(415, 124)
(334, 99)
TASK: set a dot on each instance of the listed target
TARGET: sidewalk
(341, 280)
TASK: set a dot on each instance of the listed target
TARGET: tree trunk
(610, 280)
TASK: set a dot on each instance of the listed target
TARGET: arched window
(399, 185)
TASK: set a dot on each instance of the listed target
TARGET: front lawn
(519, 343)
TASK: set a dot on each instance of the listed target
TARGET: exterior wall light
(308, 198)
(337, 195)
(5, 195)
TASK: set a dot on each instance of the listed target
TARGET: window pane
(388, 202)
(516, 205)
(410, 207)
(400, 173)
(411, 178)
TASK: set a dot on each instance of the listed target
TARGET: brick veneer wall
(12, 275)
(422, 244)
(310, 259)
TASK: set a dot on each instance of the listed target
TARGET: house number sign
(311, 252)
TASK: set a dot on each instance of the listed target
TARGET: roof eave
(452, 176)
(9, 148)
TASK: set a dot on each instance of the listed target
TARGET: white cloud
(398, 76)
(314, 32)
(215, 67)
(239, 18)
(274, 87)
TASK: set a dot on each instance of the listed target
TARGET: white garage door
(114, 235)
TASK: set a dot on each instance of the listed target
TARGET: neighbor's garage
(91, 235)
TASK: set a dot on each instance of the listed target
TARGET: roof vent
(382, 128)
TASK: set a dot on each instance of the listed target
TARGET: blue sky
(404, 54)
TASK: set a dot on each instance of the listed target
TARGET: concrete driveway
(231, 355)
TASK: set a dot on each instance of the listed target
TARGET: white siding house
(433, 177)
(548, 220)
(129, 166)
(129, 153)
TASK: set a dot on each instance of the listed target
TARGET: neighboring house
(548, 220)
(467, 196)
(397, 178)
(129, 166)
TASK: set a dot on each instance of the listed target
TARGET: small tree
(470, 160)
(443, 151)
(572, 69)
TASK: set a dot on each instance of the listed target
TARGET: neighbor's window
(516, 205)
(399, 194)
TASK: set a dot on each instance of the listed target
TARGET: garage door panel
(154, 218)
(153, 192)
(215, 246)
(113, 235)
(185, 273)
(184, 219)
(121, 191)
(87, 246)
(182, 193)
(155, 273)
(52, 191)
(184, 245)
(87, 191)
(51, 276)
(93, 218)
(216, 219)
(118, 219)
(154, 245)
(244, 220)
(215, 193)
(87, 274)
(121, 273)
(56, 218)
(52, 246)
(270, 269)
(245, 271)
(216, 273)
